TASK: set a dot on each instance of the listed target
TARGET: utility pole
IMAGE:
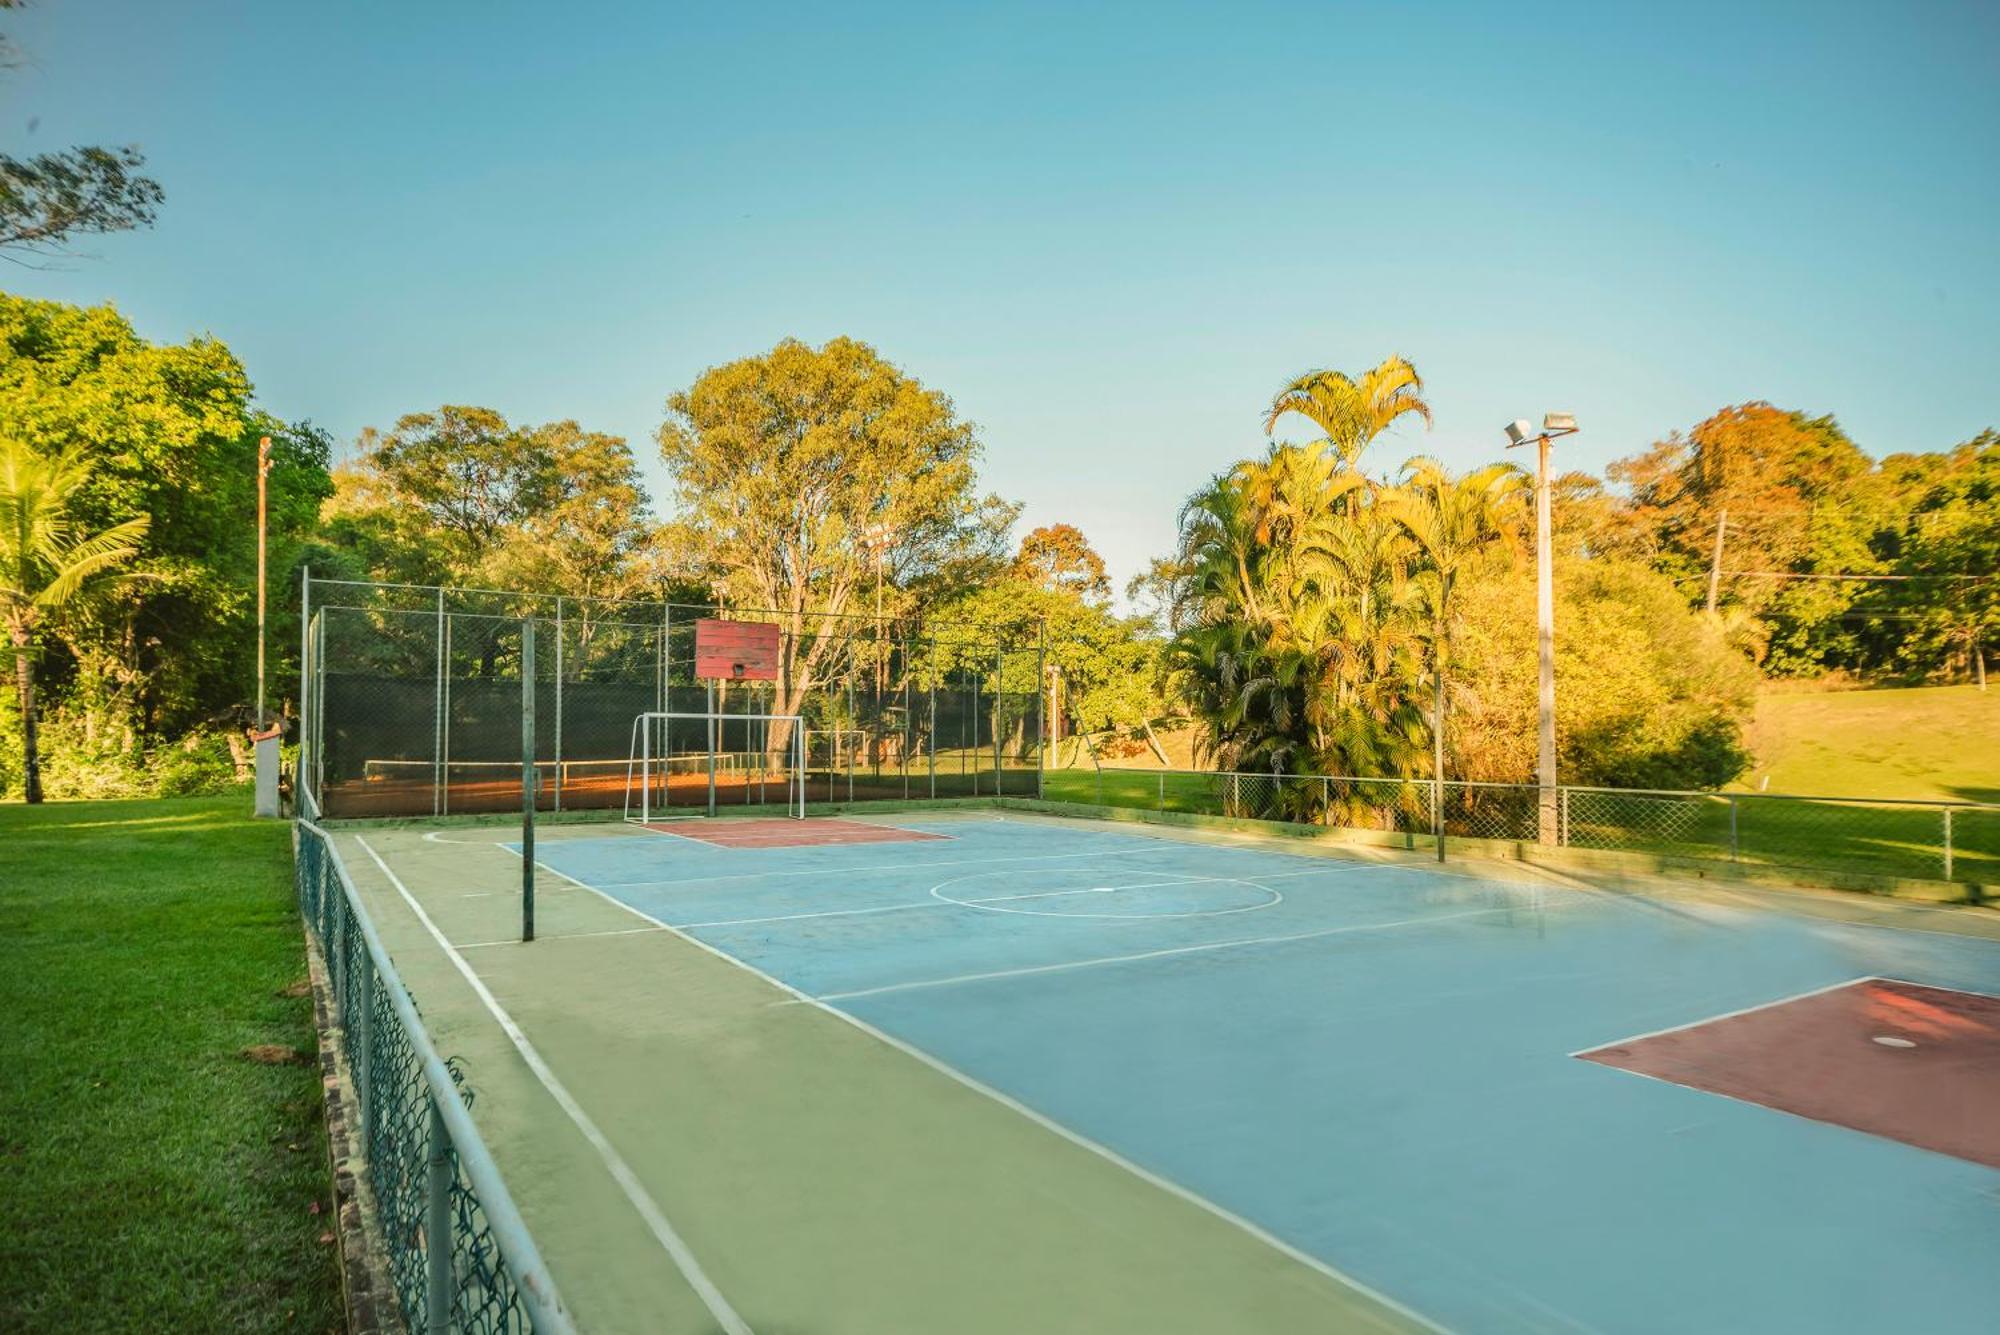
(1715, 565)
(263, 473)
(1519, 433)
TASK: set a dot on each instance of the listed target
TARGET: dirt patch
(302, 988)
(275, 1054)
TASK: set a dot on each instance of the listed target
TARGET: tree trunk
(24, 688)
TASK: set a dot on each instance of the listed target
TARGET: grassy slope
(150, 1177)
(1934, 742)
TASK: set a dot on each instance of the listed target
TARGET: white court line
(1766, 1005)
(1049, 1124)
(1727, 1015)
(560, 936)
(718, 1306)
(901, 908)
(1151, 955)
(933, 903)
(879, 866)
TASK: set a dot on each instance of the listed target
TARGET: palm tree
(46, 564)
(1353, 411)
(1450, 521)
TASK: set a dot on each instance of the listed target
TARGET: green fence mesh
(413, 706)
(443, 1247)
(1949, 841)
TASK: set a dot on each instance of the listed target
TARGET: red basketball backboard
(735, 650)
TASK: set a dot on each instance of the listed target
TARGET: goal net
(700, 764)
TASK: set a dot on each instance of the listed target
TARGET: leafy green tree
(168, 431)
(51, 198)
(801, 473)
(47, 564)
(462, 496)
(1942, 612)
(1156, 594)
(1299, 648)
(1794, 498)
(1059, 557)
(1649, 693)
(1353, 410)
(1451, 521)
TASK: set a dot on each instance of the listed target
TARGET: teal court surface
(995, 1071)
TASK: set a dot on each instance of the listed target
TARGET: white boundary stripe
(901, 908)
(1046, 1123)
(877, 866)
(560, 936)
(718, 1307)
(1726, 1015)
(1151, 955)
(1767, 1005)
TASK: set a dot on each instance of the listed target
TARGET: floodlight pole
(528, 779)
(263, 473)
(1554, 424)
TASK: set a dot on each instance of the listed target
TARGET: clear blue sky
(1108, 235)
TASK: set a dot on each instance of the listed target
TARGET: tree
(462, 496)
(47, 564)
(1157, 592)
(1792, 495)
(797, 470)
(169, 431)
(1059, 557)
(1353, 411)
(48, 199)
(1451, 521)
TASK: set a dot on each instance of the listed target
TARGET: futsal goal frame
(640, 754)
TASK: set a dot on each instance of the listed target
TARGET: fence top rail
(1683, 794)
(524, 1260)
(601, 623)
(702, 609)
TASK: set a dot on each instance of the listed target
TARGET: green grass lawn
(151, 1177)
(1933, 741)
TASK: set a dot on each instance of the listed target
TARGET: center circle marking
(1025, 902)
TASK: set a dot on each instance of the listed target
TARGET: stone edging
(365, 1278)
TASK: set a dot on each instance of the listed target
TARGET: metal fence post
(1562, 839)
(1733, 846)
(1437, 814)
(361, 1045)
(559, 700)
(1163, 790)
(305, 678)
(437, 1226)
(437, 715)
(530, 779)
(999, 691)
(1947, 843)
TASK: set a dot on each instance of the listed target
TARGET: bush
(84, 758)
(1648, 693)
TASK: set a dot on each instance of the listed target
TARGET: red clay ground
(1935, 1084)
(782, 833)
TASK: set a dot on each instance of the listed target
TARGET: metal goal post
(646, 765)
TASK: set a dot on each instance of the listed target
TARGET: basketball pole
(528, 779)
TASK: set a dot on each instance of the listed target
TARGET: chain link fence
(458, 1253)
(413, 705)
(1918, 840)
